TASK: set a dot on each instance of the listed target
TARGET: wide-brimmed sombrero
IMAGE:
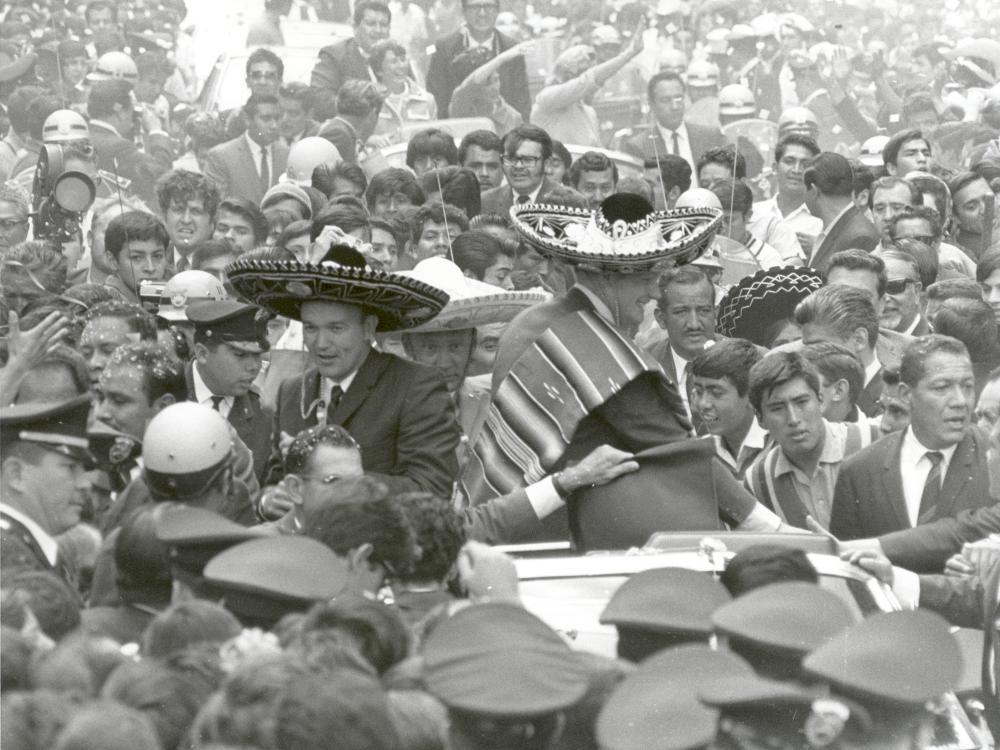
(624, 234)
(756, 303)
(399, 302)
(471, 303)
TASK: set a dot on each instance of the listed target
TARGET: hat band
(51, 438)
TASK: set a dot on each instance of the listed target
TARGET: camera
(59, 196)
(150, 293)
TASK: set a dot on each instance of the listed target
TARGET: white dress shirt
(326, 388)
(683, 145)
(914, 466)
(255, 150)
(872, 370)
(203, 394)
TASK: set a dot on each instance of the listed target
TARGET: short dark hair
(475, 251)
(440, 535)
(929, 184)
(734, 195)
(513, 140)
(256, 101)
(431, 142)
(762, 564)
(890, 151)
(325, 175)
(862, 176)
(486, 140)
(18, 108)
(138, 320)
(683, 276)
(961, 181)
(48, 597)
(346, 216)
(971, 321)
(365, 5)
(726, 156)
(439, 213)
(831, 174)
(207, 250)
(264, 55)
(776, 369)
(795, 139)
(395, 225)
(104, 95)
(134, 225)
(989, 263)
(957, 287)
(660, 77)
(181, 186)
(163, 373)
(186, 623)
(859, 260)
(458, 186)
(378, 628)
(729, 359)
(918, 211)
(391, 181)
(250, 212)
(39, 109)
(592, 161)
(842, 307)
(888, 183)
(358, 98)
(297, 91)
(918, 101)
(674, 171)
(919, 254)
(835, 362)
(302, 448)
(913, 365)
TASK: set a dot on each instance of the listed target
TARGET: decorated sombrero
(757, 302)
(399, 302)
(471, 303)
(624, 234)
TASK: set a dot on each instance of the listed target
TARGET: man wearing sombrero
(399, 412)
(568, 376)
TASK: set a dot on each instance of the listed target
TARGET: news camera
(60, 196)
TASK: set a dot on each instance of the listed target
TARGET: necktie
(265, 172)
(522, 199)
(182, 263)
(217, 401)
(675, 144)
(932, 489)
(336, 394)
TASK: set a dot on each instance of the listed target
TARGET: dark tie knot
(217, 401)
(935, 457)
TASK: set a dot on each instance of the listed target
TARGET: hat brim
(473, 312)
(751, 307)
(686, 234)
(399, 303)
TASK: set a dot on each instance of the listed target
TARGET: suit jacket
(868, 500)
(400, 413)
(121, 157)
(251, 420)
(337, 63)
(498, 200)
(972, 603)
(852, 231)
(927, 547)
(232, 167)
(701, 138)
(442, 81)
(868, 400)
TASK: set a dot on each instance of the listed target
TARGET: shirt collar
(470, 43)
(45, 542)
(345, 382)
(202, 393)
(599, 305)
(832, 453)
(912, 451)
(255, 148)
(872, 370)
(682, 133)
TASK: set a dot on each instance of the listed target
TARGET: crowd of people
(278, 379)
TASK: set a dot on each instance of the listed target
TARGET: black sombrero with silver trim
(282, 286)
(751, 307)
(622, 235)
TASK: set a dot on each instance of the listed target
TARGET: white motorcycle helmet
(63, 126)
(184, 449)
(185, 289)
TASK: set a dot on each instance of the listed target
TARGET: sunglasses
(898, 286)
(927, 239)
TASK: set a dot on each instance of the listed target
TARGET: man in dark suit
(348, 58)
(479, 31)
(358, 107)
(43, 480)
(829, 183)
(935, 468)
(250, 164)
(669, 133)
(229, 340)
(526, 150)
(112, 131)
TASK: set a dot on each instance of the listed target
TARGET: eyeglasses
(522, 161)
(927, 239)
(260, 75)
(898, 286)
(8, 224)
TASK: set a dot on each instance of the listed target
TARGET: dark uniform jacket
(19, 550)
(400, 413)
(337, 63)
(852, 231)
(868, 500)
(251, 420)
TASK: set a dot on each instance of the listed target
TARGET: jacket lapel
(892, 481)
(960, 471)
(366, 379)
(246, 167)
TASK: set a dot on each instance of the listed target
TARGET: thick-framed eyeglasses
(898, 286)
(522, 161)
